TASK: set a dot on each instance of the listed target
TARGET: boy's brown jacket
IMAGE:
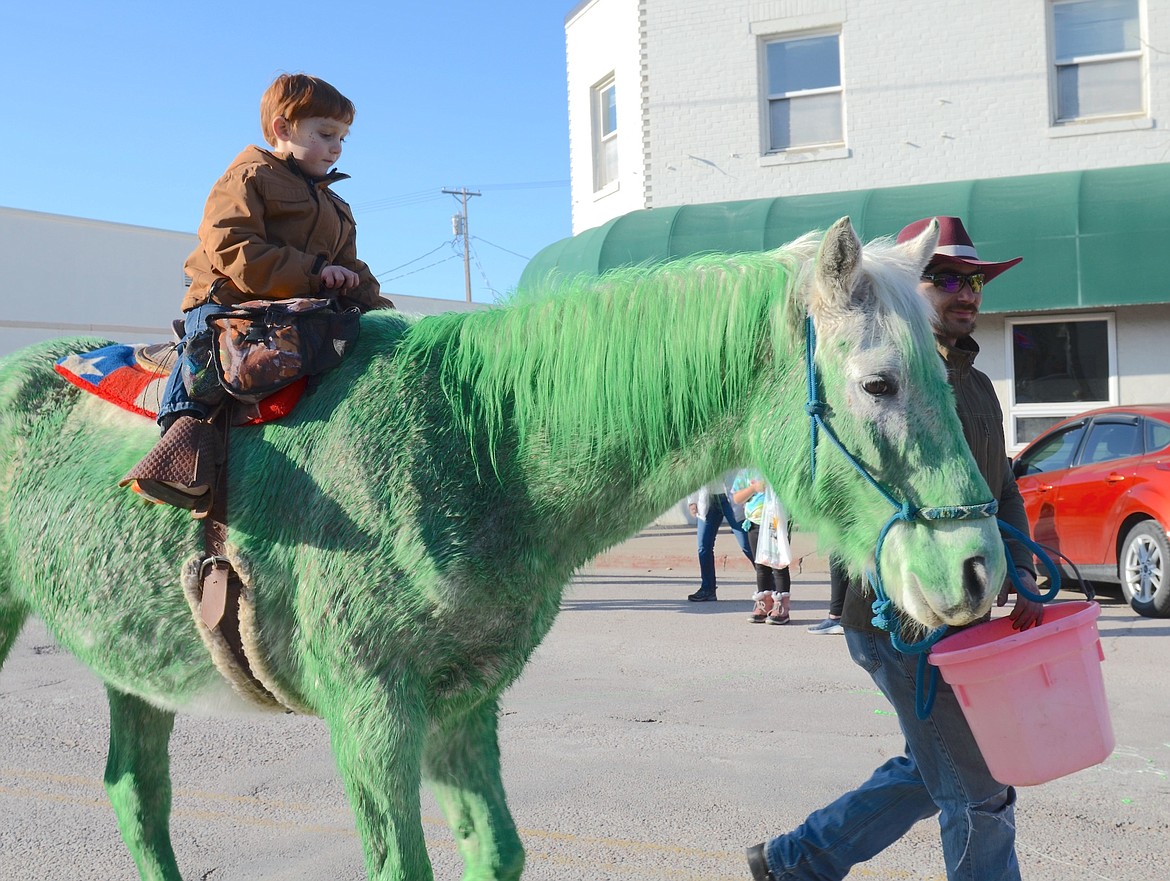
(269, 231)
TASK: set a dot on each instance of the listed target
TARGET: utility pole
(459, 227)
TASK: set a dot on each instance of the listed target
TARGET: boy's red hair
(298, 96)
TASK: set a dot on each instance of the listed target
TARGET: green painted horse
(407, 533)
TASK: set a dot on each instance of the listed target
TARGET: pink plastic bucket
(1035, 700)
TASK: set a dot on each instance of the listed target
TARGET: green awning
(1089, 238)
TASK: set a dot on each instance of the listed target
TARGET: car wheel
(1145, 570)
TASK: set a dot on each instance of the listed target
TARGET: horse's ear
(838, 264)
(921, 248)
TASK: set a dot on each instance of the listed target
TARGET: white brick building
(931, 91)
(893, 110)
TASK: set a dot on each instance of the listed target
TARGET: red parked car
(1097, 489)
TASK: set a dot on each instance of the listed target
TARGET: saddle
(133, 377)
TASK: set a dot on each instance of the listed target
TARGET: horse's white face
(889, 403)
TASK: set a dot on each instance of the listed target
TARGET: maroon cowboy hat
(955, 246)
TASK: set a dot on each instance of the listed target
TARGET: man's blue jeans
(175, 398)
(941, 773)
(719, 509)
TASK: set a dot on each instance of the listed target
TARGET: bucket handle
(926, 687)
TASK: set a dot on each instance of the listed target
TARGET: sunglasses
(952, 282)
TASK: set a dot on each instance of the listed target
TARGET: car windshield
(1052, 453)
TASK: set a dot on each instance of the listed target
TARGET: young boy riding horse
(272, 229)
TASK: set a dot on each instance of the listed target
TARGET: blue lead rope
(885, 616)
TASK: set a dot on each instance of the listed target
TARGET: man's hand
(338, 277)
(693, 507)
(1026, 613)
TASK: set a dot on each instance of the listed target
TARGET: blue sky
(128, 111)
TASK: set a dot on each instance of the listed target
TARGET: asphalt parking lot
(649, 738)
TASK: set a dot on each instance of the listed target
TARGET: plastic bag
(773, 549)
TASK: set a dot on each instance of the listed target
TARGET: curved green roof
(1089, 238)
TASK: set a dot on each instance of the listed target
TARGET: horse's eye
(879, 386)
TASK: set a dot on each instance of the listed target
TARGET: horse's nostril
(975, 579)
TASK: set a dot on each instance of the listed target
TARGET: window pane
(605, 149)
(609, 163)
(609, 111)
(1111, 440)
(807, 63)
(1052, 455)
(1099, 89)
(1095, 27)
(1028, 428)
(1157, 435)
(1061, 362)
(798, 122)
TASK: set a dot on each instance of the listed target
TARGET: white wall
(918, 108)
(602, 38)
(68, 276)
(935, 90)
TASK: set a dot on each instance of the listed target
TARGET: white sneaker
(829, 625)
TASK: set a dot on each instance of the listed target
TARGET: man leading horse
(942, 771)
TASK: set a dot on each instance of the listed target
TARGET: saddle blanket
(135, 376)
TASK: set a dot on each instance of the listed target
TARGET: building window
(1097, 58)
(804, 94)
(605, 155)
(1059, 367)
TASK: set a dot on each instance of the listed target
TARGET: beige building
(109, 280)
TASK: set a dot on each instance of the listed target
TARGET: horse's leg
(462, 767)
(377, 734)
(138, 780)
(12, 618)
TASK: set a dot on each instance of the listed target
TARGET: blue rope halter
(885, 616)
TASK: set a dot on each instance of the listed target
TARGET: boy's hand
(338, 277)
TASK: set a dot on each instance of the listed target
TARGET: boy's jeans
(942, 773)
(175, 399)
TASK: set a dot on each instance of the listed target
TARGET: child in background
(767, 527)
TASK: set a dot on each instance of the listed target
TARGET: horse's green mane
(675, 344)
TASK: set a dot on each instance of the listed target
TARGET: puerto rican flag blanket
(122, 375)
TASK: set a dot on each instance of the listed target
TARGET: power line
(421, 268)
(418, 197)
(402, 201)
(499, 247)
(483, 273)
(525, 185)
(415, 260)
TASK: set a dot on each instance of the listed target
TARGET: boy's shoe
(829, 625)
(758, 864)
(763, 606)
(703, 596)
(779, 611)
(181, 468)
